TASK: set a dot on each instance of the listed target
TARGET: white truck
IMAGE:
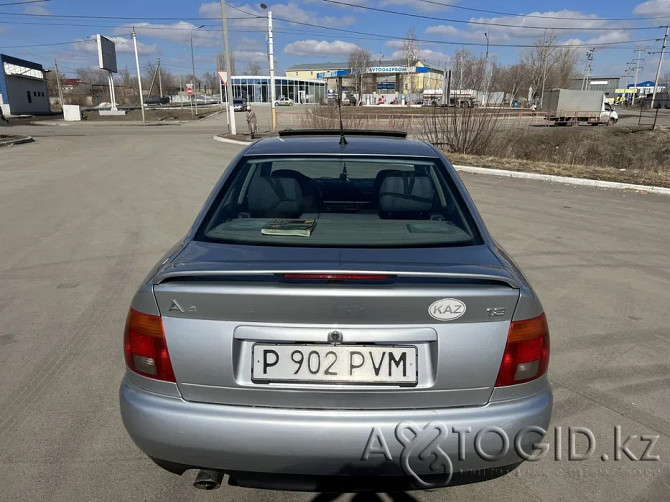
(567, 106)
(462, 98)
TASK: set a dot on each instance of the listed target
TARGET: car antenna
(343, 140)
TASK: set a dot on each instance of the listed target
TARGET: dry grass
(613, 154)
(622, 175)
(327, 117)
(624, 154)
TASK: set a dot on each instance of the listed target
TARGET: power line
(512, 14)
(118, 18)
(23, 2)
(484, 23)
(605, 45)
(45, 45)
(125, 25)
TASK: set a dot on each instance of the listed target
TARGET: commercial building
(256, 89)
(383, 77)
(608, 85)
(23, 87)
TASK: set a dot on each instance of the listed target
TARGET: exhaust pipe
(208, 479)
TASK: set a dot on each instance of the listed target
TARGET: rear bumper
(330, 443)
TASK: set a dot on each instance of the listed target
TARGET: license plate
(352, 364)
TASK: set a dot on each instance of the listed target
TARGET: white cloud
(319, 48)
(251, 57)
(394, 44)
(123, 45)
(518, 26)
(251, 43)
(444, 30)
(179, 32)
(256, 17)
(411, 5)
(605, 38)
(435, 58)
(426, 56)
(415, 5)
(653, 8)
(37, 10)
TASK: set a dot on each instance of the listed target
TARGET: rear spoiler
(195, 271)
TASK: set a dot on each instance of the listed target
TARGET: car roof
(328, 144)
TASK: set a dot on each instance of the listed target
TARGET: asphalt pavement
(87, 210)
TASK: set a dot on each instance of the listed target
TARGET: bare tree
(210, 80)
(514, 80)
(253, 69)
(549, 65)
(461, 130)
(359, 60)
(665, 79)
(410, 55)
(221, 63)
(410, 49)
(92, 76)
(469, 71)
(52, 81)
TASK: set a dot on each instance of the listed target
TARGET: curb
(566, 180)
(101, 123)
(231, 141)
(19, 141)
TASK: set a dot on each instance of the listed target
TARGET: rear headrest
(275, 197)
(403, 192)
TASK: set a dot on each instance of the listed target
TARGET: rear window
(339, 202)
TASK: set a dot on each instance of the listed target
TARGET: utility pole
(229, 83)
(486, 71)
(271, 65)
(139, 75)
(195, 99)
(637, 68)
(660, 63)
(160, 82)
(447, 94)
(587, 71)
(60, 90)
(181, 89)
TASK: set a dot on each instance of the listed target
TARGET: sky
(307, 31)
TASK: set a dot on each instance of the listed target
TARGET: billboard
(106, 54)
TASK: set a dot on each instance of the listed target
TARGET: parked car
(333, 301)
(283, 101)
(239, 104)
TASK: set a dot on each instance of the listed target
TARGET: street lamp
(193, 66)
(272, 68)
(486, 71)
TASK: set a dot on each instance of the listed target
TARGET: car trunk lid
(219, 311)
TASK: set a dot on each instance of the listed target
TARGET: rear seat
(406, 195)
(274, 197)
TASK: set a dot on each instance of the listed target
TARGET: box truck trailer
(566, 106)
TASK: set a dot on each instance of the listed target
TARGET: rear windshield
(339, 202)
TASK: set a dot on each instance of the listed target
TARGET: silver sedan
(338, 317)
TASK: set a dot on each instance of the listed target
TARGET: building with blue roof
(23, 87)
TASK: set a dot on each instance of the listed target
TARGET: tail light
(338, 277)
(145, 348)
(526, 353)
